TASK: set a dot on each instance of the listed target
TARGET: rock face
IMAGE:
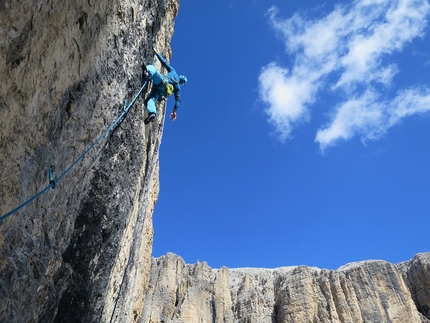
(418, 279)
(80, 252)
(370, 291)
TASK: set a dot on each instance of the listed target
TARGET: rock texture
(81, 252)
(369, 291)
(417, 272)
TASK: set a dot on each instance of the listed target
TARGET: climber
(162, 86)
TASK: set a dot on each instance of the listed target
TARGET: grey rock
(368, 291)
(417, 273)
(80, 252)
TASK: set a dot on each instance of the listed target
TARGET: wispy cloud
(345, 52)
(287, 96)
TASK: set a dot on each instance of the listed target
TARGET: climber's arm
(163, 61)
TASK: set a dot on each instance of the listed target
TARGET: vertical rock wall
(417, 272)
(80, 252)
(370, 292)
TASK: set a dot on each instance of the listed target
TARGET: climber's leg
(150, 101)
(150, 105)
(154, 74)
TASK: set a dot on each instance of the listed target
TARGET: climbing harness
(52, 180)
(168, 87)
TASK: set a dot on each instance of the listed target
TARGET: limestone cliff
(369, 291)
(80, 252)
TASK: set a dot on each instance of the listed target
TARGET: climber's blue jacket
(171, 77)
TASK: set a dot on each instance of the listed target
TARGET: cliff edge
(80, 252)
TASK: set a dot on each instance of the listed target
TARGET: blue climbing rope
(53, 182)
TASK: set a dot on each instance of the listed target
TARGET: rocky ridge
(368, 291)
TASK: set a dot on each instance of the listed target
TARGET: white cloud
(410, 102)
(345, 52)
(355, 115)
(371, 117)
(287, 97)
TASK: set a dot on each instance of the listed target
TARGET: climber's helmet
(182, 80)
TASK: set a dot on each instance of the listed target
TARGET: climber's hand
(155, 51)
(173, 116)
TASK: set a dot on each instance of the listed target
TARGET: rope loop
(52, 180)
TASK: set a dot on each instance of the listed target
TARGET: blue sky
(303, 134)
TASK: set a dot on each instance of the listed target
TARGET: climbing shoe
(150, 117)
